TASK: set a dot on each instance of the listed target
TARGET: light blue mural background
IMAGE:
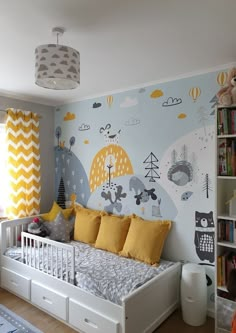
(158, 130)
(155, 121)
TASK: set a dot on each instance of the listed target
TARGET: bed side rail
(51, 257)
(11, 230)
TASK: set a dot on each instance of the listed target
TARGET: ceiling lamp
(57, 66)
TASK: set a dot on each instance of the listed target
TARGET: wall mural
(204, 236)
(180, 172)
(70, 176)
(151, 165)
(171, 101)
(141, 193)
(147, 151)
(110, 162)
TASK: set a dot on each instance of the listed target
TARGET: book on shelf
(219, 270)
(226, 121)
(234, 236)
(226, 230)
(227, 156)
(225, 263)
(233, 157)
(222, 153)
(229, 159)
(224, 294)
(233, 124)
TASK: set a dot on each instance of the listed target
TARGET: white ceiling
(122, 43)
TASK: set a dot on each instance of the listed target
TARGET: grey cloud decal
(84, 127)
(172, 101)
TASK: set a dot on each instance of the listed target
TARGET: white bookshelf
(225, 185)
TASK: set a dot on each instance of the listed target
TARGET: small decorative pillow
(112, 233)
(145, 240)
(50, 216)
(59, 229)
(87, 223)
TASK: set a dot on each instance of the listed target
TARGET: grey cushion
(60, 228)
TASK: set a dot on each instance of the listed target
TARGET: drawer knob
(47, 300)
(14, 283)
(89, 322)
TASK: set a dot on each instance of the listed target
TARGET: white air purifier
(194, 294)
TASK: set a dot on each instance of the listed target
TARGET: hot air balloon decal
(109, 100)
(221, 78)
(195, 92)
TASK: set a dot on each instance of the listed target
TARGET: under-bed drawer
(15, 282)
(90, 321)
(50, 300)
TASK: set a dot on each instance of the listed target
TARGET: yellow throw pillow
(67, 212)
(145, 240)
(87, 223)
(112, 233)
(80, 208)
(50, 216)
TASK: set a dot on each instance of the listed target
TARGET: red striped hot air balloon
(195, 92)
(109, 100)
(221, 78)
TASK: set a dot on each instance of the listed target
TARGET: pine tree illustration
(58, 135)
(173, 156)
(214, 102)
(61, 199)
(207, 185)
(203, 118)
(151, 162)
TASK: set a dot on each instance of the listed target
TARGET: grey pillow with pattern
(59, 229)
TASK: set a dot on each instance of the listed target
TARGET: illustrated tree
(58, 135)
(152, 166)
(61, 199)
(203, 118)
(72, 142)
(110, 166)
(207, 185)
(214, 100)
(173, 156)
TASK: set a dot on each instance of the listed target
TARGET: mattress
(98, 272)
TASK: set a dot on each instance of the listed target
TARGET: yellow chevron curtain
(23, 163)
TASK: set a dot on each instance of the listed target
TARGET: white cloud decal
(129, 102)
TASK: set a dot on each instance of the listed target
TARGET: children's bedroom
(118, 166)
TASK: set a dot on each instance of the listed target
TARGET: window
(3, 171)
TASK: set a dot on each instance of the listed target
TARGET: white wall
(46, 144)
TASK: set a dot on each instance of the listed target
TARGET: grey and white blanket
(98, 272)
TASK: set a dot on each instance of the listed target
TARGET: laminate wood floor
(48, 324)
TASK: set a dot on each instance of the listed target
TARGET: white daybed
(140, 311)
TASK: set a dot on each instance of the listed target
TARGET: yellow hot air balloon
(109, 100)
(195, 92)
(221, 78)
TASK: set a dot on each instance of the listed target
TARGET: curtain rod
(6, 112)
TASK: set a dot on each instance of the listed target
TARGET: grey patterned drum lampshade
(57, 67)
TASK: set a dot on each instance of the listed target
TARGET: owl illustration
(204, 236)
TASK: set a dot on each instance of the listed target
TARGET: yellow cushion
(87, 223)
(145, 240)
(50, 216)
(112, 233)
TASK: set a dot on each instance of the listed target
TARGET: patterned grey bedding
(98, 272)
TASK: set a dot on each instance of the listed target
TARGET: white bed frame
(141, 311)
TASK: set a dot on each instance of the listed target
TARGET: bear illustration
(204, 236)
